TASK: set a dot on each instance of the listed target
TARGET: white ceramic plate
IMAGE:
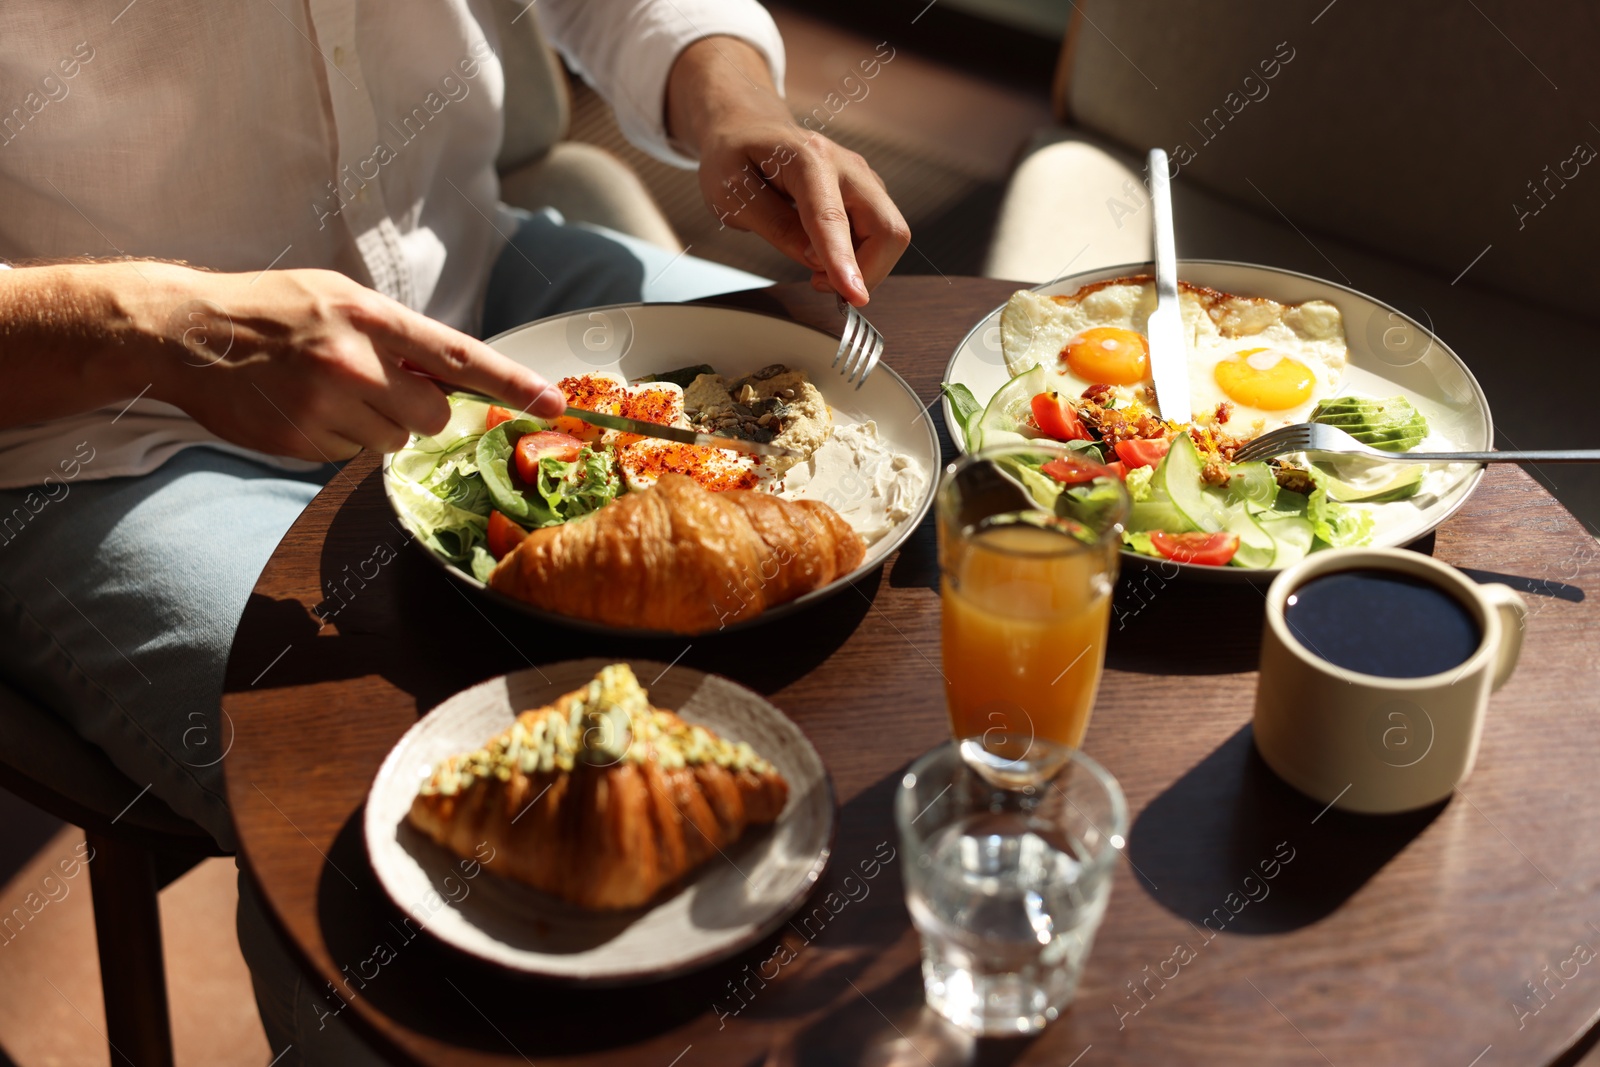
(1390, 353)
(633, 340)
(724, 906)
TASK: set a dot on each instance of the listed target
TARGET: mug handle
(1513, 612)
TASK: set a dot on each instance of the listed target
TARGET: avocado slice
(1392, 425)
(1402, 486)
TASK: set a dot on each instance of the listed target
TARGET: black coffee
(1383, 623)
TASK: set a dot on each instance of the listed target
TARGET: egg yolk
(1108, 355)
(1264, 379)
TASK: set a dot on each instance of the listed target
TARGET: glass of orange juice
(1028, 539)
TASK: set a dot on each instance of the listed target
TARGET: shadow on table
(1166, 624)
(1231, 846)
(917, 565)
(1548, 587)
(854, 918)
(895, 1026)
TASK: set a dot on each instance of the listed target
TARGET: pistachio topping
(609, 721)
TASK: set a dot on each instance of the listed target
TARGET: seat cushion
(589, 184)
(1077, 203)
(1427, 130)
(48, 763)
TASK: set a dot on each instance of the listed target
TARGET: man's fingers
(372, 429)
(817, 199)
(322, 446)
(411, 401)
(768, 215)
(460, 360)
(881, 229)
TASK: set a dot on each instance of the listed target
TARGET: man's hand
(819, 204)
(308, 363)
(302, 363)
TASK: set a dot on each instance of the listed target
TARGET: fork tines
(1279, 442)
(860, 345)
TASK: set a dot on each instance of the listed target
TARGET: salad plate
(1389, 354)
(723, 907)
(636, 342)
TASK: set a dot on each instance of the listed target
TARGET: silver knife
(1169, 355)
(654, 429)
(678, 434)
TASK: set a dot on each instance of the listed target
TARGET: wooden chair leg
(127, 926)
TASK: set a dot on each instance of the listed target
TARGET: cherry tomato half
(1056, 418)
(1142, 451)
(1074, 471)
(496, 416)
(504, 535)
(536, 446)
(1213, 549)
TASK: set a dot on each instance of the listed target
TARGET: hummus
(775, 404)
(861, 477)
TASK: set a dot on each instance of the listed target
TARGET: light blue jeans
(119, 600)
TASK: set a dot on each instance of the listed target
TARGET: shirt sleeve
(626, 48)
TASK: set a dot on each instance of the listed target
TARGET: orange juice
(1025, 614)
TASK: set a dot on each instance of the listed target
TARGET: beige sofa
(538, 168)
(1437, 155)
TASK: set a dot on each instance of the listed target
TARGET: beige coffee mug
(1371, 744)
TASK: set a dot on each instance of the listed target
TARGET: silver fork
(1318, 437)
(860, 346)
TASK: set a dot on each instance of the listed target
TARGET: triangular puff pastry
(599, 799)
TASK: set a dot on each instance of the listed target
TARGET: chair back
(537, 106)
(1431, 131)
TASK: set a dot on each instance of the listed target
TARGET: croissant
(679, 557)
(599, 799)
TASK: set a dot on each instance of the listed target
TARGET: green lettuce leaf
(481, 563)
(1039, 485)
(564, 490)
(1090, 503)
(1138, 483)
(1339, 525)
(447, 530)
(965, 405)
(464, 490)
(586, 484)
(1139, 541)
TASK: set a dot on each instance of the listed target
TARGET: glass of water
(1006, 886)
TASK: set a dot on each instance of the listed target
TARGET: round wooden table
(1465, 934)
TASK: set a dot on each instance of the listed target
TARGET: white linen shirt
(357, 135)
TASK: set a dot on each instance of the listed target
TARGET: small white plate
(724, 906)
(1390, 353)
(634, 340)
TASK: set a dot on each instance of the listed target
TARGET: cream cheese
(859, 475)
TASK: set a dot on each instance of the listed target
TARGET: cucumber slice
(1158, 515)
(1292, 534)
(1253, 484)
(1010, 409)
(1179, 477)
(1257, 549)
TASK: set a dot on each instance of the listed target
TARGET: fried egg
(645, 460)
(1254, 364)
(658, 402)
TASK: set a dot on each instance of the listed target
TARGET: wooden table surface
(1466, 934)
